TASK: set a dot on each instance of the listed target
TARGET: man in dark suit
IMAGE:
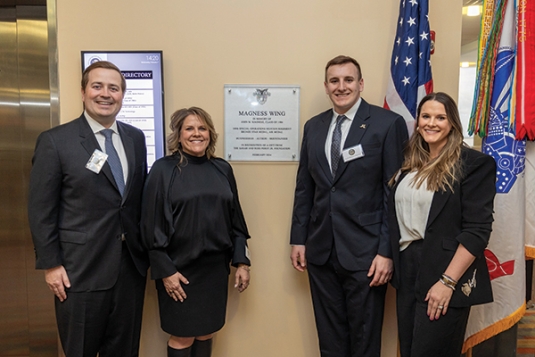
(84, 210)
(339, 224)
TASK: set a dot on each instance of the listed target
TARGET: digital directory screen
(143, 100)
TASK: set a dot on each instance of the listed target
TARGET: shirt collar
(350, 114)
(96, 127)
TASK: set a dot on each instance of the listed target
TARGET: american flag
(410, 69)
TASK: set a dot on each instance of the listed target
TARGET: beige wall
(209, 43)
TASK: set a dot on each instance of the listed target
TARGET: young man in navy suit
(339, 230)
(84, 210)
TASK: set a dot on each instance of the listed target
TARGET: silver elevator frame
(28, 106)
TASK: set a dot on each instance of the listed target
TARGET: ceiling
(471, 24)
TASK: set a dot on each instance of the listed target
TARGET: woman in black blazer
(440, 222)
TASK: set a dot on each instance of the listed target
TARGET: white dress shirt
(346, 125)
(96, 127)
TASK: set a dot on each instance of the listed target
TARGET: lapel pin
(363, 126)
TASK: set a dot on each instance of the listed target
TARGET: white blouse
(412, 209)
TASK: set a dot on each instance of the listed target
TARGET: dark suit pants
(107, 322)
(419, 336)
(349, 314)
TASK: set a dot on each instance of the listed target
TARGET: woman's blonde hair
(441, 172)
(177, 121)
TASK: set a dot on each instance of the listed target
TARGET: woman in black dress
(193, 227)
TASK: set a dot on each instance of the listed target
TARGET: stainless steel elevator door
(27, 323)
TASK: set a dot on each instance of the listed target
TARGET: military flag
(493, 118)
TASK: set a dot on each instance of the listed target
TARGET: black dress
(192, 223)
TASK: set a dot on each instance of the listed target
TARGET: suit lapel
(322, 138)
(128, 144)
(87, 138)
(359, 126)
(439, 201)
(90, 143)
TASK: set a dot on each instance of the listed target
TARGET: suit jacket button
(333, 189)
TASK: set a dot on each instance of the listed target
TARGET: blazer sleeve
(44, 202)
(240, 233)
(156, 219)
(394, 146)
(304, 195)
(478, 189)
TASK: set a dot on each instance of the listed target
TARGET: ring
(440, 307)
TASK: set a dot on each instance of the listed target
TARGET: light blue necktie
(113, 160)
(336, 144)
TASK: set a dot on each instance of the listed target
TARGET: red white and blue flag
(410, 69)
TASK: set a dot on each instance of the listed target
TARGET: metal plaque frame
(262, 122)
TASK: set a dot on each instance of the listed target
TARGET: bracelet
(246, 267)
(446, 283)
(447, 277)
(449, 282)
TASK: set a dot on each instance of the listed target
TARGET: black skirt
(203, 311)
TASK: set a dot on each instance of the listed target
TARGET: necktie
(336, 143)
(113, 160)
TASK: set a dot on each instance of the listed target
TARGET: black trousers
(348, 313)
(105, 322)
(419, 336)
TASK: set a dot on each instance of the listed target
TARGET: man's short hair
(105, 65)
(343, 60)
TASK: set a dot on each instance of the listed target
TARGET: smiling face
(194, 136)
(343, 86)
(103, 95)
(434, 126)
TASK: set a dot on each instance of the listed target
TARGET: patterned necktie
(113, 160)
(336, 144)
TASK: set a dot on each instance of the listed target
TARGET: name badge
(353, 153)
(96, 161)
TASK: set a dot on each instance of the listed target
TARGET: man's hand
(299, 261)
(381, 270)
(57, 280)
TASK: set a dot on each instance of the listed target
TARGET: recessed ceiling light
(473, 10)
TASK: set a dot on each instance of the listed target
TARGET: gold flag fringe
(530, 253)
(495, 328)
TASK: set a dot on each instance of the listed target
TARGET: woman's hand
(242, 277)
(438, 299)
(173, 287)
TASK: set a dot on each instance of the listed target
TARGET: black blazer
(350, 208)
(463, 216)
(76, 216)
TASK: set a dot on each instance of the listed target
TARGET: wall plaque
(262, 122)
